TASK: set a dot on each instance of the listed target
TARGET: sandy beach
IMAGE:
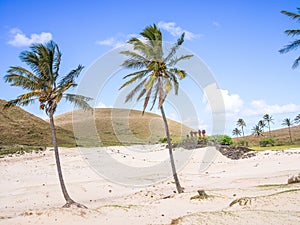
(246, 191)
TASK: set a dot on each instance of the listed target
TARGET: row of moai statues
(198, 133)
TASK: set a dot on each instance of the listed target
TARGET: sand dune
(256, 187)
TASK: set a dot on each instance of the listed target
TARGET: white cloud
(112, 42)
(19, 39)
(233, 102)
(260, 107)
(218, 100)
(176, 31)
(101, 105)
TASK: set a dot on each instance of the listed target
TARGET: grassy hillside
(281, 136)
(126, 127)
(18, 127)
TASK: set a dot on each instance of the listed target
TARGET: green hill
(18, 127)
(126, 127)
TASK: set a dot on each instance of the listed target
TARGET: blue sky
(237, 40)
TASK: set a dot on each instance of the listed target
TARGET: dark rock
(294, 179)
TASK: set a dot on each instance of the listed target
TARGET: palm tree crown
(292, 32)
(157, 73)
(256, 130)
(42, 81)
(241, 123)
(297, 119)
(236, 132)
(268, 119)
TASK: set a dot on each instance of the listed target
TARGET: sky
(237, 41)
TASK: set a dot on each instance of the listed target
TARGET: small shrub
(221, 139)
(163, 140)
(267, 142)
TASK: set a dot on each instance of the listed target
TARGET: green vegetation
(267, 142)
(220, 139)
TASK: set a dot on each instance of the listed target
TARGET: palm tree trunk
(68, 199)
(290, 133)
(269, 129)
(178, 187)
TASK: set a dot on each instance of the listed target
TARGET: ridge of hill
(18, 127)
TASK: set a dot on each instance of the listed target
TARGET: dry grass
(20, 128)
(281, 137)
(123, 126)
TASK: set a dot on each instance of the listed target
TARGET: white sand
(30, 192)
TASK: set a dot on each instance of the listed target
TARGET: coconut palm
(268, 119)
(257, 130)
(262, 124)
(241, 123)
(156, 74)
(236, 132)
(292, 32)
(43, 83)
(288, 122)
(297, 119)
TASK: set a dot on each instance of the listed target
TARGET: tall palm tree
(156, 74)
(288, 122)
(236, 132)
(44, 85)
(268, 119)
(292, 32)
(241, 123)
(297, 119)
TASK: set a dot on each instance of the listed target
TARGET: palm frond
(70, 77)
(173, 61)
(19, 76)
(175, 48)
(292, 32)
(135, 90)
(292, 46)
(180, 73)
(147, 99)
(291, 14)
(136, 73)
(296, 63)
(133, 79)
(142, 93)
(154, 96)
(135, 56)
(133, 64)
(78, 100)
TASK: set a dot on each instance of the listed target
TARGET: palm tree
(241, 123)
(44, 85)
(236, 132)
(297, 119)
(288, 122)
(262, 124)
(156, 74)
(257, 131)
(268, 119)
(294, 32)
